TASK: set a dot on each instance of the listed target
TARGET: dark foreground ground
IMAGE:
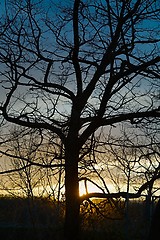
(42, 219)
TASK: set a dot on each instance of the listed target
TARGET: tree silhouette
(76, 68)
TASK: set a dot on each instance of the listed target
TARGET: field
(41, 219)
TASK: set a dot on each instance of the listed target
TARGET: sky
(47, 2)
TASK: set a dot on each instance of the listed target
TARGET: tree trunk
(155, 224)
(71, 230)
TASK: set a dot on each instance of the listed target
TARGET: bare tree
(28, 164)
(74, 69)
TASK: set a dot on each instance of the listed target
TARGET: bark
(72, 197)
(71, 229)
(155, 224)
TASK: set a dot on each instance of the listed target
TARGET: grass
(42, 219)
(22, 219)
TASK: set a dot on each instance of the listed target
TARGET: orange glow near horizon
(90, 188)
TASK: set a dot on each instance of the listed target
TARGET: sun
(90, 188)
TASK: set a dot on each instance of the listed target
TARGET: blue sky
(2, 6)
